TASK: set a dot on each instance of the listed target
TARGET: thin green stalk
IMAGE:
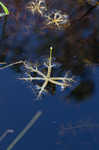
(6, 12)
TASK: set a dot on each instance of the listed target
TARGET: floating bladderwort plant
(46, 78)
(37, 6)
(6, 12)
(35, 74)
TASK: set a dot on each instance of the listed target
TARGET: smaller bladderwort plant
(5, 9)
(37, 6)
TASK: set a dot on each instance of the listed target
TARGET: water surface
(24, 36)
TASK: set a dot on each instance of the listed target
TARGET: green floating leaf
(6, 12)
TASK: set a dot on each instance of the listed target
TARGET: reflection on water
(73, 127)
(25, 36)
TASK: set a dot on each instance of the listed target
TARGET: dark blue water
(76, 49)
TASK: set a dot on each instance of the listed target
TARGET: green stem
(6, 12)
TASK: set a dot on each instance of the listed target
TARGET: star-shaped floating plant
(46, 78)
(57, 18)
(37, 6)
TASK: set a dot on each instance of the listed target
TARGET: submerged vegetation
(71, 127)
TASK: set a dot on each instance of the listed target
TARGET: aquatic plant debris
(6, 133)
(46, 78)
(23, 132)
(37, 6)
(6, 12)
